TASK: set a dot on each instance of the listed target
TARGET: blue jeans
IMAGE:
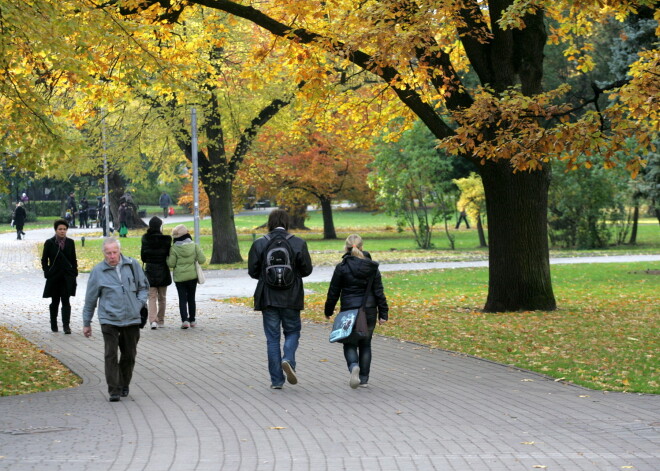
(288, 320)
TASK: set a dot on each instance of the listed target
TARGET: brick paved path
(200, 401)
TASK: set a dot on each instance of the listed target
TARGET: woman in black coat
(154, 252)
(349, 283)
(60, 267)
(19, 219)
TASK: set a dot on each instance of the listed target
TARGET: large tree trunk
(519, 264)
(223, 229)
(297, 216)
(328, 221)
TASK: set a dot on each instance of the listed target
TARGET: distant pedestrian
(119, 287)
(349, 284)
(165, 202)
(280, 261)
(462, 218)
(154, 252)
(60, 266)
(123, 227)
(183, 255)
(83, 213)
(19, 217)
(72, 207)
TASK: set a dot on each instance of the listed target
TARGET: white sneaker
(193, 324)
(185, 325)
(289, 372)
(355, 377)
(154, 325)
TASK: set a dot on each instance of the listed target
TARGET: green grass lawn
(605, 334)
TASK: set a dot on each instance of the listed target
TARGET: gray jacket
(119, 301)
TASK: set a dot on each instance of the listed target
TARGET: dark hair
(60, 222)
(278, 218)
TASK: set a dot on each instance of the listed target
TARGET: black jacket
(349, 281)
(264, 296)
(58, 264)
(19, 216)
(154, 252)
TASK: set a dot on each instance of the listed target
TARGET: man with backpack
(280, 261)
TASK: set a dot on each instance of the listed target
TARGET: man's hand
(87, 331)
(381, 321)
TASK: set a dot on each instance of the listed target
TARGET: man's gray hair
(110, 241)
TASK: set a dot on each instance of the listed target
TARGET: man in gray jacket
(120, 288)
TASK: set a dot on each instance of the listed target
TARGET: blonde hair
(353, 245)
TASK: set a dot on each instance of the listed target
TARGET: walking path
(200, 400)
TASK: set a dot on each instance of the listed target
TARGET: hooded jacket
(349, 282)
(265, 296)
(119, 300)
(183, 255)
(154, 251)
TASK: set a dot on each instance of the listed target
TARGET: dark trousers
(59, 286)
(359, 353)
(187, 306)
(19, 231)
(119, 369)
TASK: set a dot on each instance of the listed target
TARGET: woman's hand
(381, 321)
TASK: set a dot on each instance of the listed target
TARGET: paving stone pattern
(200, 400)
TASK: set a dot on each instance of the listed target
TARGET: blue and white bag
(343, 325)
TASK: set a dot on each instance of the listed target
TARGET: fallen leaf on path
(277, 428)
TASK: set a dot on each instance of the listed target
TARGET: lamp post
(195, 176)
(106, 206)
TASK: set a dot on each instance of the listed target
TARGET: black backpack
(278, 264)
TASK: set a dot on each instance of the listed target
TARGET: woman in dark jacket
(349, 283)
(154, 252)
(19, 219)
(60, 267)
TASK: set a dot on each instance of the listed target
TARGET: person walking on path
(352, 277)
(280, 261)
(19, 217)
(120, 288)
(154, 251)
(462, 218)
(84, 213)
(72, 206)
(183, 255)
(165, 202)
(60, 266)
(123, 214)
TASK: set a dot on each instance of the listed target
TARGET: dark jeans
(277, 320)
(59, 286)
(165, 212)
(119, 371)
(187, 306)
(360, 353)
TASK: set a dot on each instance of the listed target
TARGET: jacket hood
(361, 267)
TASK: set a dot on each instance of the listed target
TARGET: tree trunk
(519, 264)
(223, 229)
(297, 216)
(480, 231)
(328, 221)
(633, 232)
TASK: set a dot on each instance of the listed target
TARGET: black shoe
(124, 391)
(114, 397)
(54, 329)
(67, 330)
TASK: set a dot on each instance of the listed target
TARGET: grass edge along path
(25, 368)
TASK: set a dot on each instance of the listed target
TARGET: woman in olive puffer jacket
(183, 255)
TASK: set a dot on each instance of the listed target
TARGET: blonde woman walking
(348, 285)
